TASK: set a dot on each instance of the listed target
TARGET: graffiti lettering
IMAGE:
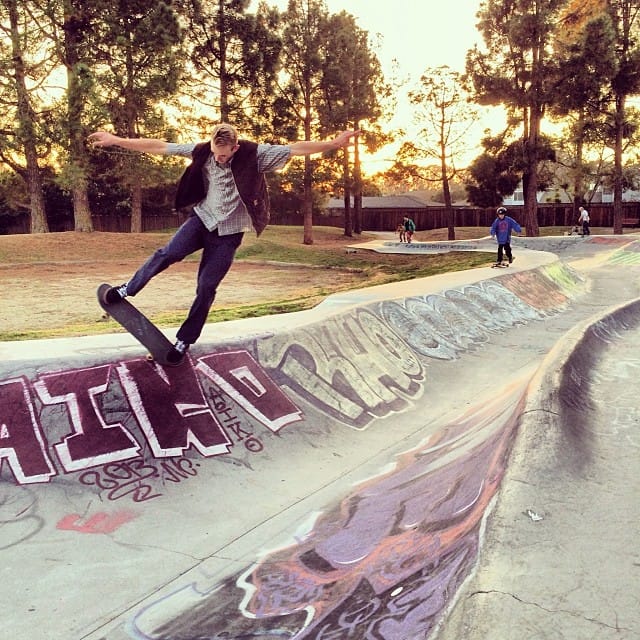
(134, 478)
(355, 368)
(229, 420)
(93, 442)
(22, 444)
(245, 381)
(121, 479)
(178, 469)
(168, 405)
(435, 325)
(171, 409)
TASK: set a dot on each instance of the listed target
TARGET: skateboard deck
(139, 326)
(501, 265)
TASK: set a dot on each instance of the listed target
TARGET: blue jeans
(217, 256)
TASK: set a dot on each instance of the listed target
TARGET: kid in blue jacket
(501, 228)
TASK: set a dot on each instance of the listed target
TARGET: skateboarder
(225, 192)
(502, 227)
(584, 221)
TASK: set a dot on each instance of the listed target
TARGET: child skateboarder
(501, 229)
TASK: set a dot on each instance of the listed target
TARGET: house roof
(383, 202)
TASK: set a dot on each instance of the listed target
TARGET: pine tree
(517, 70)
(21, 140)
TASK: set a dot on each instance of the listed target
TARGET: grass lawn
(48, 280)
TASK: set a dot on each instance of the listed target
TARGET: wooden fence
(426, 218)
(101, 222)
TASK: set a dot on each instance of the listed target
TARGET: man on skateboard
(501, 229)
(225, 192)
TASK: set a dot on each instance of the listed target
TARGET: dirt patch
(48, 281)
(40, 289)
(54, 296)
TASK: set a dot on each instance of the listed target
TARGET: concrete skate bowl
(587, 385)
(561, 536)
(326, 480)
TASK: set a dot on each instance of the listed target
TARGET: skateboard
(501, 265)
(140, 327)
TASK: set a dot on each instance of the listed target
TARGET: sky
(417, 35)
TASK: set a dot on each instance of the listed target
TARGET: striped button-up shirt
(222, 207)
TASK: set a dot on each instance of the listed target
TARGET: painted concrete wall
(330, 427)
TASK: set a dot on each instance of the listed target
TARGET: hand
(102, 139)
(344, 138)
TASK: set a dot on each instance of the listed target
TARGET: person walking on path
(501, 229)
(225, 192)
(409, 228)
(584, 221)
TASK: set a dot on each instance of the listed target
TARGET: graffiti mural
(377, 565)
(629, 254)
(167, 414)
(355, 367)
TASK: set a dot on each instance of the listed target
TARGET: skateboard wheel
(150, 358)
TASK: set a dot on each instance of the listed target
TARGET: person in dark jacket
(501, 229)
(409, 228)
(225, 191)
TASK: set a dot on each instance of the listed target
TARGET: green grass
(279, 244)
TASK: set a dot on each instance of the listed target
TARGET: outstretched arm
(308, 147)
(144, 145)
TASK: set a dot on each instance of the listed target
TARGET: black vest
(251, 184)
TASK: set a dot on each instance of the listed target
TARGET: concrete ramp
(561, 554)
(326, 474)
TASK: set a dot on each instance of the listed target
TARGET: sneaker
(115, 294)
(177, 352)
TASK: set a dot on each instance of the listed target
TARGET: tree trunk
(357, 183)
(222, 51)
(346, 183)
(307, 205)
(136, 209)
(81, 210)
(39, 223)
(617, 164)
(451, 231)
(26, 130)
(74, 35)
(530, 174)
(578, 183)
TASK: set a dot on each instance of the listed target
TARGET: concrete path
(452, 457)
